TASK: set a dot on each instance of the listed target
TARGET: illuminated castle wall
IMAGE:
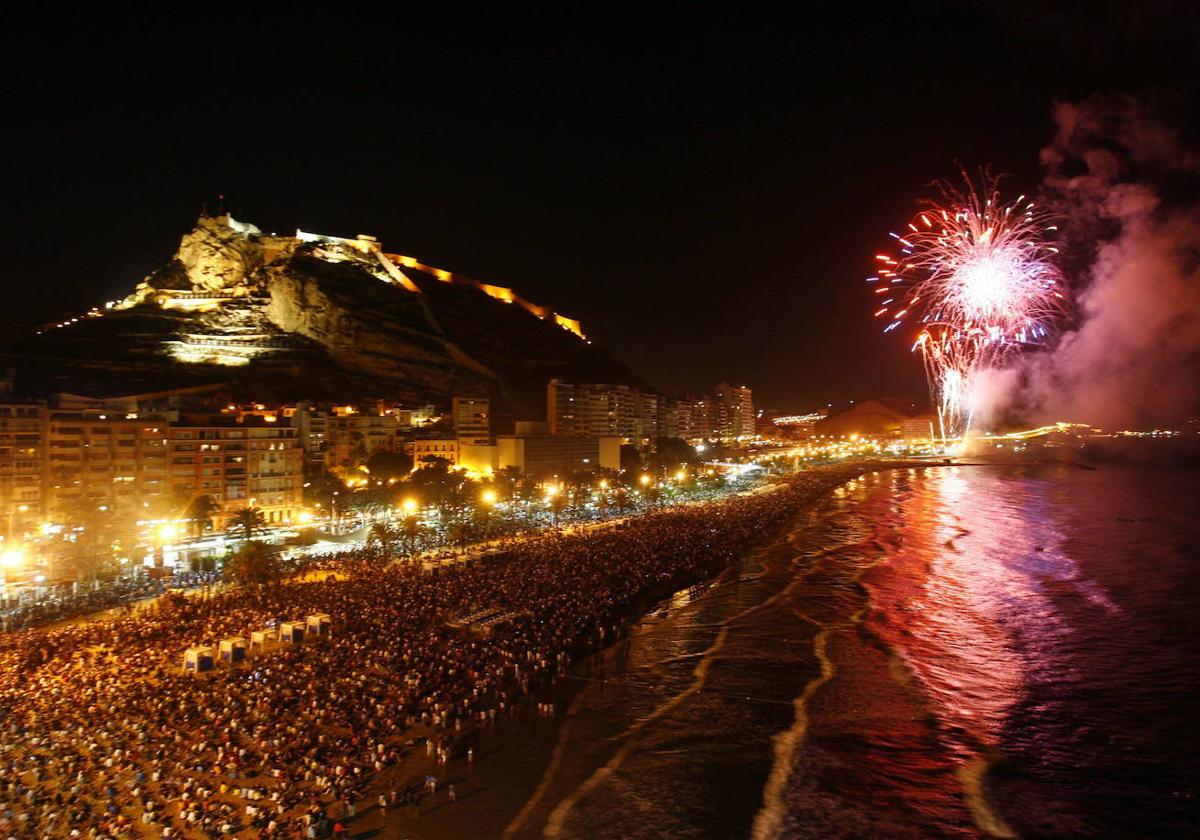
(369, 244)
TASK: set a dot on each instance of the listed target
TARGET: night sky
(705, 195)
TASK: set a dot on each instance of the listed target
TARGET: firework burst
(978, 276)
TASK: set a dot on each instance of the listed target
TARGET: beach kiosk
(232, 650)
(291, 632)
(198, 659)
(319, 624)
(261, 638)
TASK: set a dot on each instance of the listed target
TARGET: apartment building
(353, 438)
(472, 420)
(601, 410)
(22, 456)
(426, 450)
(97, 458)
(238, 465)
(737, 404)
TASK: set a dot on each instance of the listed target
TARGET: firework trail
(978, 275)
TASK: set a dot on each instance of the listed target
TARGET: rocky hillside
(310, 317)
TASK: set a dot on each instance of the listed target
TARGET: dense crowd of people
(103, 735)
(65, 601)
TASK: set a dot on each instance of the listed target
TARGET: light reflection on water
(946, 652)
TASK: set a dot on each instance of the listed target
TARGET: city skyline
(544, 163)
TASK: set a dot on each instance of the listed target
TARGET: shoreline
(515, 758)
(516, 743)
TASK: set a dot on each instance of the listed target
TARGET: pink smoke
(1133, 358)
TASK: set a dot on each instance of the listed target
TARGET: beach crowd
(65, 603)
(102, 734)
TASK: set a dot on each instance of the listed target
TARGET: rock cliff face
(310, 317)
(220, 256)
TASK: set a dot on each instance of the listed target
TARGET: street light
(644, 479)
(410, 506)
(489, 497)
(12, 557)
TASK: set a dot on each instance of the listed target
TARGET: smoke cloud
(1124, 183)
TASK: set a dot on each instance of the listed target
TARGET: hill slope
(311, 317)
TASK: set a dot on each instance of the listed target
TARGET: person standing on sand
(451, 795)
(383, 804)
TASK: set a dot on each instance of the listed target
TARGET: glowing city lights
(12, 557)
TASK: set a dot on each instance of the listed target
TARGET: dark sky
(705, 194)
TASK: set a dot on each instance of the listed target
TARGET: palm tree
(249, 520)
(557, 505)
(254, 562)
(383, 535)
(200, 510)
(412, 530)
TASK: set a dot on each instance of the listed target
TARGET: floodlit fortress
(220, 256)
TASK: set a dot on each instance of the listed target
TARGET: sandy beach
(498, 794)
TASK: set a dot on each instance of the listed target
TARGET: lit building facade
(350, 439)
(22, 463)
(640, 417)
(238, 466)
(545, 455)
(601, 410)
(472, 420)
(96, 458)
(737, 411)
(424, 451)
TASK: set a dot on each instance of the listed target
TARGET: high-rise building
(645, 423)
(601, 410)
(22, 454)
(312, 430)
(737, 404)
(640, 417)
(472, 420)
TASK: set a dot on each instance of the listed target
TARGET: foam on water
(993, 651)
